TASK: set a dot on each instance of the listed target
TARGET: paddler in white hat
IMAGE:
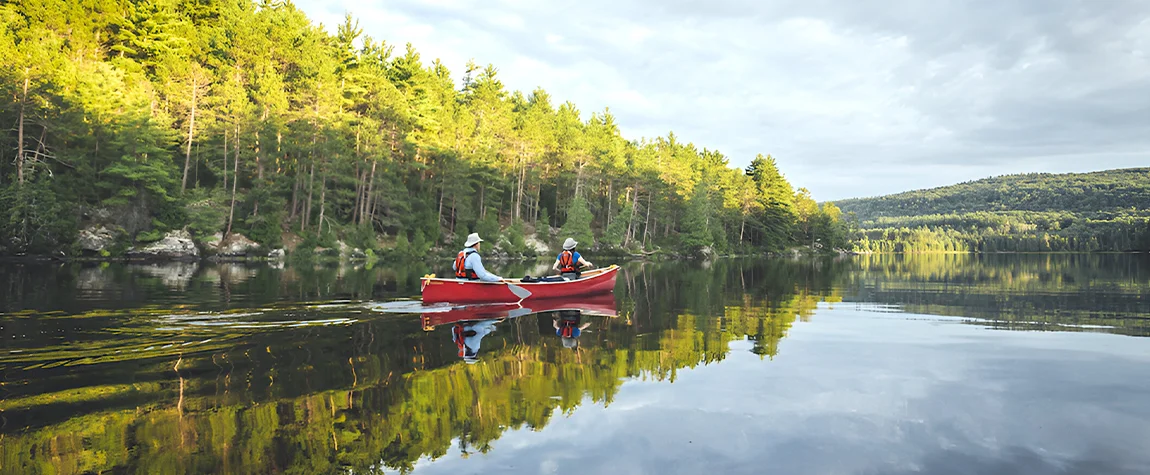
(569, 263)
(468, 265)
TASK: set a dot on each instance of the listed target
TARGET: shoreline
(40, 259)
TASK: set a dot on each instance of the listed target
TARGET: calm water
(949, 364)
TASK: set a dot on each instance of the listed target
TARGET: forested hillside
(221, 117)
(1100, 211)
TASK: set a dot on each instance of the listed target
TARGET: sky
(853, 98)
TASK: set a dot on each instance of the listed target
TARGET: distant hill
(1106, 210)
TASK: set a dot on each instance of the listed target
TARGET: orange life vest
(460, 271)
(567, 328)
(567, 262)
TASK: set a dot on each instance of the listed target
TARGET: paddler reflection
(468, 336)
(569, 325)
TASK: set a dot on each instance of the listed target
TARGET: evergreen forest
(223, 118)
(1036, 212)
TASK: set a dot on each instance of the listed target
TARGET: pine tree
(578, 225)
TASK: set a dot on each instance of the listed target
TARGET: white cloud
(836, 90)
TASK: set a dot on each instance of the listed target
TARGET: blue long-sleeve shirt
(475, 263)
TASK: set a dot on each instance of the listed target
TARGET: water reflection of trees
(382, 392)
(1014, 291)
(314, 400)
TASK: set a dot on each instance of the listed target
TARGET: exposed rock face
(132, 218)
(212, 244)
(237, 245)
(277, 254)
(96, 239)
(538, 246)
(174, 245)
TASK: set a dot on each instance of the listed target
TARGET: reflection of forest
(1017, 291)
(373, 390)
(316, 399)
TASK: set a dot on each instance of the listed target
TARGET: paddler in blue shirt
(468, 265)
(568, 326)
(569, 263)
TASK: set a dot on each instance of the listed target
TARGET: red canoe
(437, 290)
(601, 305)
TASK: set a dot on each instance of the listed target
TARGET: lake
(882, 364)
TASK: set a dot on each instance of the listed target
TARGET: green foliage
(516, 239)
(149, 236)
(488, 228)
(205, 218)
(33, 220)
(697, 231)
(1100, 211)
(543, 225)
(403, 247)
(334, 134)
(420, 245)
(578, 225)
(616, 231)
(362, 237)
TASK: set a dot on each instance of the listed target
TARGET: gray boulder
(237, 245)
(96, 239)
(174, 245)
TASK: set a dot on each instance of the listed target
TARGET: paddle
(520, 292)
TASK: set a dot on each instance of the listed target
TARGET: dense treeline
(1101, 211)
(233, 116)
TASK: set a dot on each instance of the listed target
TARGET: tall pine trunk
(359, 188)
(322, 200)
(235, 179)
(20, 130)
(647, 225)
(191, 133)
(225, 169)
(369, 198)
(310, 192)
(631, 218)
(259, 177)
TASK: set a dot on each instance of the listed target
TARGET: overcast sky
(852, 97)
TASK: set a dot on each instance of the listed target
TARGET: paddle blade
(520, 292)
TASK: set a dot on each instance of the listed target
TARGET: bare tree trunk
(235, 179)
(322, 202)
(647, 225)
(439, 217)
(579, 180)
(358, 205)
(369, 197)
(610, 202)
(191, 132)
(453, 215)
(259, 175)
(310, 192)
(295, 196)
(522, 179)
(535, 216)
(631, 218)
(482, 200)
(742, 226)
(225, 160)
(20, 130)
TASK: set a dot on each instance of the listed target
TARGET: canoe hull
(600, 305)
(436, 290)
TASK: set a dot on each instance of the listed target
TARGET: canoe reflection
(599, 305)
(471, 323)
